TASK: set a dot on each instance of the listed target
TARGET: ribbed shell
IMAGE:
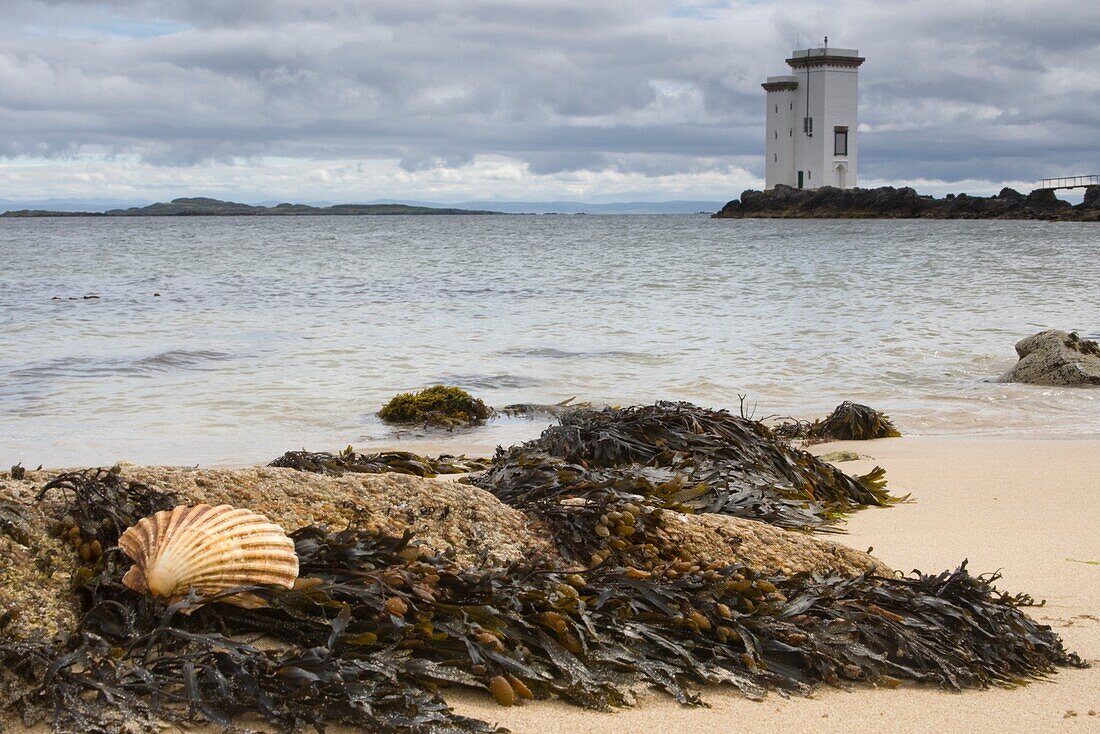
(209, 549)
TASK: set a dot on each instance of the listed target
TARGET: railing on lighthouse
(1069, 182)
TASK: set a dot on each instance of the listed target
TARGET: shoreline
(434, 446)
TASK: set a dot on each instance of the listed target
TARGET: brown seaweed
(378, 626)
(679, 456)
(350, 655)
(848, 422)
(100, 504)
(402, 462)
(1082, 345)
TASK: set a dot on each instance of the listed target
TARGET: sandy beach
(1025, 506)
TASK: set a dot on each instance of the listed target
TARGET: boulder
(1046, 199)
(1056, 357)
(37, 567)
(732, 210)
(1092, 198)
(763, 547)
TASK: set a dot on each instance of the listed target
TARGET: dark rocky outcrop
(1056, 357)
(1092, 198)
(827, 202)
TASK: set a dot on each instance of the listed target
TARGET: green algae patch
(438, 405)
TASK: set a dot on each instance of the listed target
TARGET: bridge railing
(1069, 182)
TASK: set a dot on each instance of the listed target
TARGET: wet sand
(1024, 506)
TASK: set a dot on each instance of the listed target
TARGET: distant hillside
(203, 207)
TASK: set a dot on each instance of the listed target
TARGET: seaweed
(438, 405)
(102, 504)
(542, 410)
(848, 422)
(854, 422)
(402, 462)
(1082, 345)
(682, 457)
(377, 631)
(378, 625)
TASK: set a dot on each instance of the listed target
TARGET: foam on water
(276, 333)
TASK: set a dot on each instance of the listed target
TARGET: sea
(227, 341)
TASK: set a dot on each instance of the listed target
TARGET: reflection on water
(277, 333)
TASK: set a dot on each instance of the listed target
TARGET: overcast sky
(597, 100)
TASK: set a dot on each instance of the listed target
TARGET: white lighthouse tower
(811, 120)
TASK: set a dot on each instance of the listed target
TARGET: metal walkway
(1069, 182)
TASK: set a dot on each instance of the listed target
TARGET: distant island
(204, 207)
(827, 202)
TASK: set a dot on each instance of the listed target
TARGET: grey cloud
(953, 90)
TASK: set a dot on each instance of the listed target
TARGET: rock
(36, 575)
(1046, 198)
(442, 514)
(731, 210)
(888, 202)
(763, 547)
(36, 566)
(835, 457)
(1056, 357)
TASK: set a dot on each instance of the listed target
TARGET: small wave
(554, 353)
(180, 358)
(489, 382)
(65, 367)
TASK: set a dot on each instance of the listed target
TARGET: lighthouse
(811, 120)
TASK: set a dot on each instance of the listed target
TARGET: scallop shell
(208, 549)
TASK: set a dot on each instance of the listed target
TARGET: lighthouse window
(777, 108)
(840, 141)
(775, 157)
(777, 135)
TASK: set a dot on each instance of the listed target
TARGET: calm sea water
(278, 333)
